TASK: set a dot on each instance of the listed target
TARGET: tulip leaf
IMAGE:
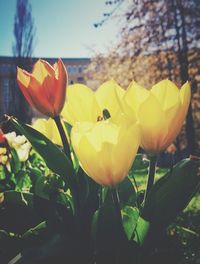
(55, 159)
(108, 236)
(15, 162)
(74, 157)
(129, 217)
(140, 163)
(68, 128)
(19, 198)
(46, 186)
(17, 212)
(32, 232)
(127, 193)
(83, 186)
(171, 194)
(105, 216)
(141, 230)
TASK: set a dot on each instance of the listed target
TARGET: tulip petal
(167, 93)
(81, 105)
(59, 92)
(152, 122)
(41, 70)
(92, 162)
(135, 95)
(132, 99)
(125, 150)
(44, 74)
(103, 149)
(39, 97)
(32, 92)
(23, 78)
(88, 150)
(49, 129)
(176, 116)
(108, 95)
(185, 95)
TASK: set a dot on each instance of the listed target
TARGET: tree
(24, 34)
(24, 30)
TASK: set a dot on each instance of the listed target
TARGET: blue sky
(64, 28)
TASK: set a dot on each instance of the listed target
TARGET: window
(6, 94)
(79, 69)
(4, 68)
(69, 69)
(74, 69)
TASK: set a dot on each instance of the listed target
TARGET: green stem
(63, 136)
(119, 231)
(115, 198)
(151, 175)
(73, 183)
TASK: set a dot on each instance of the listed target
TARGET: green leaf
(68, 128)
(15, 162)
(108, 236)
(127, 193)
(129, 217)
(140, 163)
(83, 186)
(142, 230)
(55, 159)
(19, 198)
(74, 157)
(45, 186)
(171, 194)
(35, 231)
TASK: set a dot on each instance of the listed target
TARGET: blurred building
(9, 99)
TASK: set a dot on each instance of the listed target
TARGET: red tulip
(45, 87)
(2, 137)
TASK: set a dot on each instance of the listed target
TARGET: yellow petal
(172, 117)
(104, 151)
(108, 96)
(185, 95)
(124, 152)
(153, 124)
(49, 129)
(177, 114)
(167, 93)
(135, 95)
(132, 99)
(80, 105)
(97, 133)
(93, 149)
(41, 70)
(23, 77)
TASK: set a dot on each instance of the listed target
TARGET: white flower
(20, 144)
(23, 151)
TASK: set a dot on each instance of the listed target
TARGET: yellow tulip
(161, 112)
(48, 128)
(83, 104)
(105, 149)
